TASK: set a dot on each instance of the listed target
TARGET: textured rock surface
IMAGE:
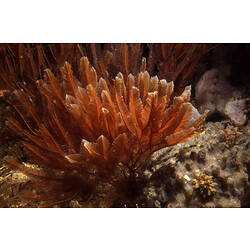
(221, 154)
(215, 93)
(236, 111)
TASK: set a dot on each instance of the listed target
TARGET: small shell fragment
(187, 178)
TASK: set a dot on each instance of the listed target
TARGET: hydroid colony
(86, 127)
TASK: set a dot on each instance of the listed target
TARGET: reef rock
(210, 170)
(215, 93)
(236, 111)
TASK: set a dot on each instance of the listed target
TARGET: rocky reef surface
(215, 93)
(210, 170)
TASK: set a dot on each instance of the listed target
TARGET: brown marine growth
(205, 184)
(26, 62)
(177, 61)
(85, 130)
(174, 62)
